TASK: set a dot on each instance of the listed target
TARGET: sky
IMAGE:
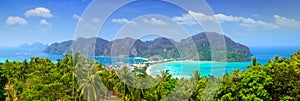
(250, 22)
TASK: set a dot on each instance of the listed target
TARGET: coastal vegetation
(75, 78)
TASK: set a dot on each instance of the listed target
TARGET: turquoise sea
(187, 68)
(178, 69)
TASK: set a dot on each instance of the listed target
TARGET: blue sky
(250, 22)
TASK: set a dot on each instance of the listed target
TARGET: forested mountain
(163, 47)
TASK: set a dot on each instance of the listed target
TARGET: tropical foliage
(75, 78)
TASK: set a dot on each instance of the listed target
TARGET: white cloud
(185, 19)
(11, 20)
(285, 22)
(248, 22)
(120, 21)
(44, 22)
(188, 19)
(155, 21)
(39, 11)
(96, 20)
(78, 17)
(123, 21)
(222, 18)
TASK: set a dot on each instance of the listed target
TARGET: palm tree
(89, 82)
(124, 77)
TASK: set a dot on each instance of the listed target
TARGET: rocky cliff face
(163, 47)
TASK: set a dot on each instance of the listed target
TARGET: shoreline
(148, 70)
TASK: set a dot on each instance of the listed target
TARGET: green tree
(89, 82)
(3, 81)
(286, 79)
(254, 85)
(230, 87)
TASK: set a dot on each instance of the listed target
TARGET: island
(162, 47)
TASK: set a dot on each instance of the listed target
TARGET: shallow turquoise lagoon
(186, 69)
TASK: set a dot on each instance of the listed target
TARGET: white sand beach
(148, 70)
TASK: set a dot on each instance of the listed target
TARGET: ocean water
(264, 54)
(16, 54)
(187, 68)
